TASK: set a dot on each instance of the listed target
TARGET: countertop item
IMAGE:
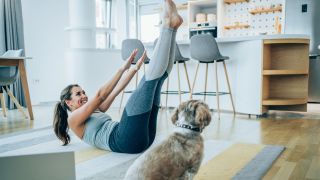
(201, 17)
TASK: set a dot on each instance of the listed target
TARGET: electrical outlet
(36, 81)
(304, 8)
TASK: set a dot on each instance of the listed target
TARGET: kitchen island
(268, 72)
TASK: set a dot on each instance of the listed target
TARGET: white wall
(298, 22)
(54, 64)
(93, 68)
(45, 42)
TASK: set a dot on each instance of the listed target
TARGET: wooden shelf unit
(234, 1)
(240, 26)
(288, 101)
(268, 10)
(285, 74)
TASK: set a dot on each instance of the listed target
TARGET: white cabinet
(202, 17)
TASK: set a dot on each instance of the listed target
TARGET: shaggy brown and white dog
(179, 156)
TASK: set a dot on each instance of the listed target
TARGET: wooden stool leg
(14, 100)
(167, 92)
(227, 77)
(3, 103)
(205, 83)
(186, 71)
(179, 88)
(217, 89)
(194, 81)
(122, 94)
(137, 78)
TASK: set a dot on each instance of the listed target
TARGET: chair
(178, 59)
(128, 45)
(8, 76)
(204, 49)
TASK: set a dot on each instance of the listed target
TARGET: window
(132, 27)
(149, 27)
(149, 22)
(104, 14)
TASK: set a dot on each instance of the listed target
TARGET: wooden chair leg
(217, 89)
(229, 87)
(205, 83)
(194, 81)
(179, 88)
(3, 104)
(14, 100)
(186, 71)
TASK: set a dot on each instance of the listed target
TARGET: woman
(137, 128)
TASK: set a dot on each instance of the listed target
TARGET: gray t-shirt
(98, 128)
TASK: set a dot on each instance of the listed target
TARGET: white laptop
(49, 166)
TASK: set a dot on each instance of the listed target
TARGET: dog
(179, 156)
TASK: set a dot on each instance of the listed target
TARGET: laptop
(48, 166)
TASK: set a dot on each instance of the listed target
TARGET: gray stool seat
(220, 59)
(204, 49)
(128, 45)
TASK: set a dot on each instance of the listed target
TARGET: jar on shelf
(201, 17)
(211, 18)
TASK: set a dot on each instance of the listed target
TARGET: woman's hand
(129, 61)
(141, 60)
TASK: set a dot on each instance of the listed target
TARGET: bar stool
(179, 59)
(128, 45)
(204, 49)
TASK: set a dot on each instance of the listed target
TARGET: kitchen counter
(266, 72)
(247, 38)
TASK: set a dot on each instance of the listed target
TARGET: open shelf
(284, 101)
(286, 55)
(235, 1)
(268, 10)
(240, 26)
(285, 72)
(179, 7)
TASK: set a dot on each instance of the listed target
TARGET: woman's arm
(80, 115)
(122, 84)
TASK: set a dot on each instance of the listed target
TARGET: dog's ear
(203, 115)
(175, 115)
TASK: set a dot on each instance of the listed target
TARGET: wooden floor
(298, 132)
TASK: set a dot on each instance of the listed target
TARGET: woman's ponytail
(60, 119)
(60, 123)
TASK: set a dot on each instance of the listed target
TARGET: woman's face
(78, 98)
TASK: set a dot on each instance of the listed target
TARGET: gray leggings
(137, 128)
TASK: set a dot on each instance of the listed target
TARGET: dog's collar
(192, 128)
